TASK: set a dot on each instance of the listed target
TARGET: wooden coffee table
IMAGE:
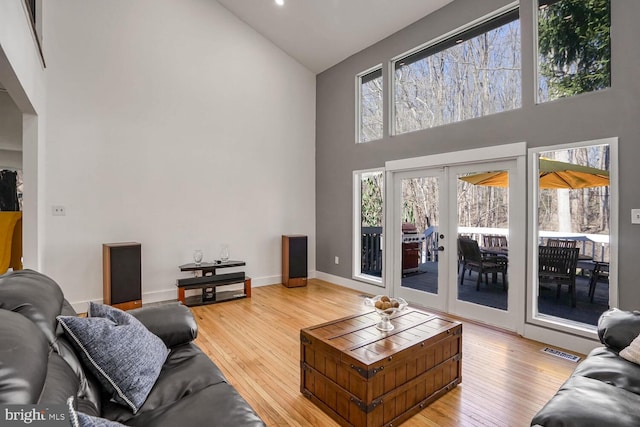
(361, 376)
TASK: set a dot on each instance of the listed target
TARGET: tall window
(472, 74)
(370, 106)
(368, 218)
(574, 211)
(574, 47)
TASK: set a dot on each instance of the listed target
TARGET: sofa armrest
(173, 322)
(617, 328)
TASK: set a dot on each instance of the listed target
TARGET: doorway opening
(444, 233)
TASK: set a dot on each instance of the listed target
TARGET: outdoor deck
(493, 295)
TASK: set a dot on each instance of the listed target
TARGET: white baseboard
(349, 283)
(561, 340)
(170, 294)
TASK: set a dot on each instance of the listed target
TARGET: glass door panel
(487, 279)
(482, 204)
(419, 274)
(433, 211)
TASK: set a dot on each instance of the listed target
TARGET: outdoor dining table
(495, 250)
(500, 251)
(585, 262)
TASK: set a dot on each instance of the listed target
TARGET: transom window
(574, 47)
(471, 74)
(370, 119)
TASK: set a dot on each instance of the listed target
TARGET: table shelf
(209, 282)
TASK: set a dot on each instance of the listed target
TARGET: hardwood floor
(255, 342)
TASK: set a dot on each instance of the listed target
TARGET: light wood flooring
(255, 342)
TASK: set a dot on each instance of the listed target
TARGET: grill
(411, 242)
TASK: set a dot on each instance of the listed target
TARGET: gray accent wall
(614, 112)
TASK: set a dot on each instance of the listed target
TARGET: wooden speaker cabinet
(294, 261)
(122, 275)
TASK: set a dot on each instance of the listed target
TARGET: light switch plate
(635, 216)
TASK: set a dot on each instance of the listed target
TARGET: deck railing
(371, 251)
(594, 245)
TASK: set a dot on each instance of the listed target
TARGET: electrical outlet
(635, 216)
(337, 260)
(58, 211)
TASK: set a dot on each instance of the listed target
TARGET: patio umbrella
(553, 174)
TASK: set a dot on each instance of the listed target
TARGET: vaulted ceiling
(321, 33)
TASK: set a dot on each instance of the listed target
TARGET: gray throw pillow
(119, 350)
(78, 419)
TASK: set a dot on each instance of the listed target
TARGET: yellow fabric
(553, 174)
(10, 241)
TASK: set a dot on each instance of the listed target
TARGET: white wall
(173, 124)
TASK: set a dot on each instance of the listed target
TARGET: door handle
(441, 248)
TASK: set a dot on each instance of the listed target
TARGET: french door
(434, 207)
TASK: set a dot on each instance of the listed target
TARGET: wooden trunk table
(361, 376)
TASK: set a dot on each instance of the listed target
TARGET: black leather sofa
(39, 366)
(604, 389)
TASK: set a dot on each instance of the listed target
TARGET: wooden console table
(210, 281)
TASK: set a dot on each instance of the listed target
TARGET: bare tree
(474, 78)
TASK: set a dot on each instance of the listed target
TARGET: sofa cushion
(23, 359)
(67, 377)
(617, 328)
(123, 355)
(216, 405)
(79, 419)
(586, 402)
(603, 364)
(187, 370)
(33, 295)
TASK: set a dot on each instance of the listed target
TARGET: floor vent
(561, 354)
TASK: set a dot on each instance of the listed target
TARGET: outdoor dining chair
(558, 265)
(496, 242)
(473, 260)
(600, 274)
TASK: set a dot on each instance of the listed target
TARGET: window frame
(443, 42)
(357, 227)
(359, 81)
(536, 55)
(533, 317)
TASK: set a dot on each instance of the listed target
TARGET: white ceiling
(321, 33)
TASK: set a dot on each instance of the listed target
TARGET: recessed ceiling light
(280, 2)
